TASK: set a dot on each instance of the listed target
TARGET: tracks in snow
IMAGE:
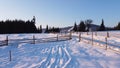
(58, 57)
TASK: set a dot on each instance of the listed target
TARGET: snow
(62, 54)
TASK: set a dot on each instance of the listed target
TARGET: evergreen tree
(34, 19)
(75, 27)
(118, 26)
(46, 31)
(40, 29)
(53, 29)
(102, 26)
(81, 26)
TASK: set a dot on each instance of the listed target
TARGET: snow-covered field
(62, 54)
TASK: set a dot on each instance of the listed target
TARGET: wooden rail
(35, 40)
(104, 42)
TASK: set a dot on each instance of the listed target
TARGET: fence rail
(104, 43)
(35, 40)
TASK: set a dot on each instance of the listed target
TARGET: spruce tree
(33, 20)
(102, 26)
(46, 31)
(75, 27)
(40, 29)
(118, 26)
(81, 26)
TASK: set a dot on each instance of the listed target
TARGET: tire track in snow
(58, 62)
(61, 59)
(42, 61)
(68, 57)
(35, 65)
(56, 58)
(50, 59)
(45, 62)
(51, 62)
(60, 50)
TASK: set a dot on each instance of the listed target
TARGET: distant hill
(93, 27)
(65, 29)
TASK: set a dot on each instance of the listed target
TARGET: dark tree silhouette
(46, 30)
(33, 20)
(52, 30)
(102, 26)
(118, 26)
(81, 27)
(40, 29)
(75, 27)
(17, 26)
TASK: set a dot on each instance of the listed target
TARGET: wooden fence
(104, 43)
(35, 40)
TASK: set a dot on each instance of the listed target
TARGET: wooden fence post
(33, 39)
(87, 32)
(70, 34)
(79, 36)
(92, 37)
(108, 34)
(106, 43)
(57, 37)
(96, 33)
(10, 56)
(6, 40)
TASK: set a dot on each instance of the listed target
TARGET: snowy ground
(63, 54)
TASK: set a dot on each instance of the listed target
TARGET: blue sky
(61, 13)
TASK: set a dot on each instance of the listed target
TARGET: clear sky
(61, 13)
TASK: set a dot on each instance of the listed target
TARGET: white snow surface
(62, 54)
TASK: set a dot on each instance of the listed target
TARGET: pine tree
(33, 20)
(117, 27)
(40, 29)
(75, 27)
(46, 31)
(81, 26)
(102, 26)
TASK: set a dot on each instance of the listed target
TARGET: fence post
(92, 37)
(70, 34)
(10, 55)
(33, 39)
(87, 32)
(79, 36)
(108, 34)
(57, 37)
(96, 33)
(6, 40)
(106, 43)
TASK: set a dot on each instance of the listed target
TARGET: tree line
(18, 26)
(52, 30)
(21, 26)
(86, 25)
